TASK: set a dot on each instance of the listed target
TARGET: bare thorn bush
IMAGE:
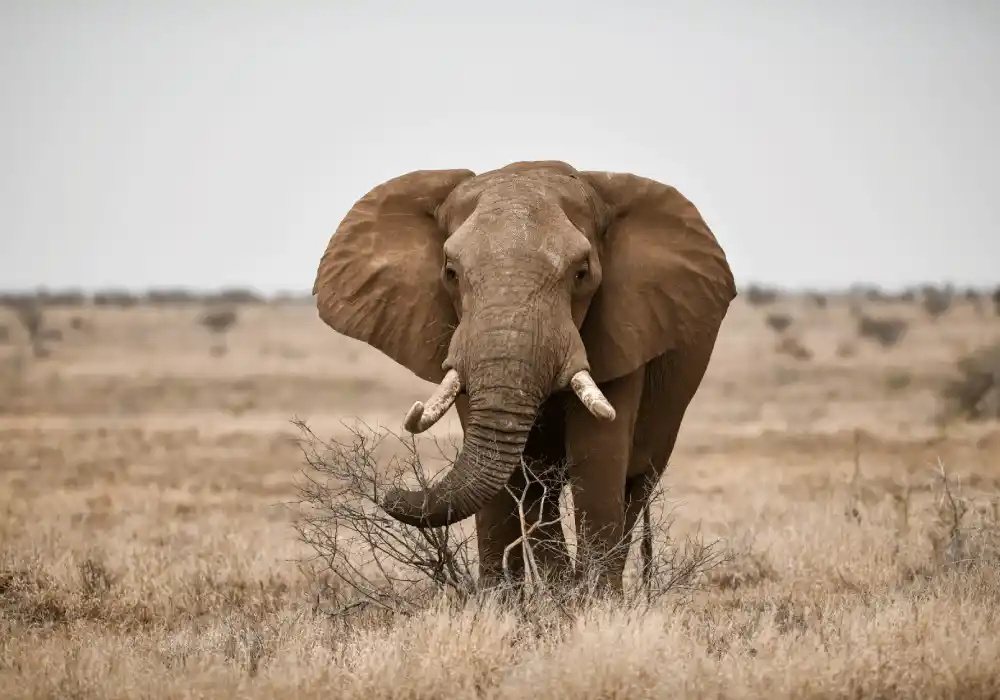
(996, 301)
(974, 393)
(219, 321)
(370, 558)
(779, 323)
(887, 332)
(364, 558)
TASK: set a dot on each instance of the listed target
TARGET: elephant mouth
(424, 414)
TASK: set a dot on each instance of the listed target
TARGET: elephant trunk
(509, 366)
(500, 419)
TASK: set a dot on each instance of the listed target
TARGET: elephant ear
(379, 279)
(666, 282)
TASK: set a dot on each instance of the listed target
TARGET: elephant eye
(449, 272)
(581, 273)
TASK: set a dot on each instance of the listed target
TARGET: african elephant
(513, 290)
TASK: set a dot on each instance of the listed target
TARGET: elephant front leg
(500, 529)
(599, 455)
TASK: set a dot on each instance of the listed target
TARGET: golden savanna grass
(146, 550)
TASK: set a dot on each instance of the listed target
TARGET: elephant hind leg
(671, 382)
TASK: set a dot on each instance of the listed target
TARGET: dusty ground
(144, 550)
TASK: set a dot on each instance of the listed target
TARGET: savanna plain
(830, 513)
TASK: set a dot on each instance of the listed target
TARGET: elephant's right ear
(379, 279)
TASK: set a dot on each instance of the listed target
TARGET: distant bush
(757, 295)
(218, 322)
(292, 298)
(116, 298)
(974, 393)
(4, 334)
(170, 296)
(846, 349)
(818, 300)
(792, 347)
(976, 299)
(874, 295)
(996, 301)
(13, 299)
(236, 296)
(936, 301)
(887, 332)
(779, 322)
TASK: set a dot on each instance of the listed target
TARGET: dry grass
(145, 550)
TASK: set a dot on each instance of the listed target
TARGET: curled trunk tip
(411, 508)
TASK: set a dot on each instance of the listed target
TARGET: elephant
(570, 316)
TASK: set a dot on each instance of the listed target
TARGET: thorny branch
(365, 558)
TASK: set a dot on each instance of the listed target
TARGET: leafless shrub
(4, 334)
(31, 315)
(219, 322)
(792, 347)
(967, 533)
(936, 301)
(374, 559)
(757, 295)
(974, 394)
(366, 558)
(964, 532)
(887, 332)
(779, 322)
(996, 301)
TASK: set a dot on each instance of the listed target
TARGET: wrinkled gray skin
(546, 274)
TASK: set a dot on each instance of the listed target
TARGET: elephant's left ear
(666, 282)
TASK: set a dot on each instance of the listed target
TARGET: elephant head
(513, 285)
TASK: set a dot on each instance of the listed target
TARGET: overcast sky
(208, 144)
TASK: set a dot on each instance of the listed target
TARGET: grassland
(145, 551)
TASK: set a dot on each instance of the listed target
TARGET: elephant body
(570, 316)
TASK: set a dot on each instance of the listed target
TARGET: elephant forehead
(502, 228)
(526, 187)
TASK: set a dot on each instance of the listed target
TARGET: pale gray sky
(219, 143)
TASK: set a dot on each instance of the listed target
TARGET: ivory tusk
(591, 396)
(422, 416)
